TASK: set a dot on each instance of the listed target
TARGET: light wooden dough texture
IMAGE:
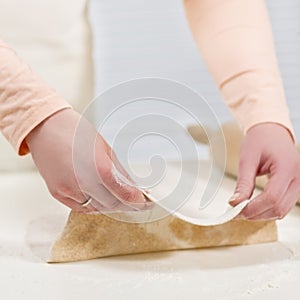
(94, 236)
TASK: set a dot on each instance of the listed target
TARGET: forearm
(235, 40)
(25, 100)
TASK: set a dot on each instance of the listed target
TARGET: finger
(115, 178)
(116, 163)
(248, 165)
(272, 195)
(119, 168)
(75, 206)
(99, 208)
(94, 190)
(283, 207)
(107, 201)
(128, 194)
(76, 199)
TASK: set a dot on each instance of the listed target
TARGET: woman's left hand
(268, 149)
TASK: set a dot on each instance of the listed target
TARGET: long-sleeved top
(235, 40)
(25, 100)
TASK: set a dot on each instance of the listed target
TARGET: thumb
(248, 166)
(121, 185)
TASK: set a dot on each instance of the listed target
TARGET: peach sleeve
(25, 100)
(236, 42)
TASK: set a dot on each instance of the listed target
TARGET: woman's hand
(52, 147)
(268, 149)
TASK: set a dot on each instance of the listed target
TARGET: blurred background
(102, 43)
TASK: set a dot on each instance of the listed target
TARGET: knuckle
(65, 190)
(61, 191)
(55, 194)
(124, 191)
(129, 195)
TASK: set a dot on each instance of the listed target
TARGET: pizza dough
(94, 236)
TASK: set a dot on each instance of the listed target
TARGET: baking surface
(266, 271)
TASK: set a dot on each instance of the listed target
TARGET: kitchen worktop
(266, 271)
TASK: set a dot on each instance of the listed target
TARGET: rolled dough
(94, 236)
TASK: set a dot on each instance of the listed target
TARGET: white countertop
(266, 271)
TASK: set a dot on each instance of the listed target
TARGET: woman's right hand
(51, 144)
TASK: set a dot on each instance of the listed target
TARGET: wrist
(269, 127)
(49, 123)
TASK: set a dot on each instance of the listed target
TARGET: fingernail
(146, 206)
(148, 203)
(234, 197)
